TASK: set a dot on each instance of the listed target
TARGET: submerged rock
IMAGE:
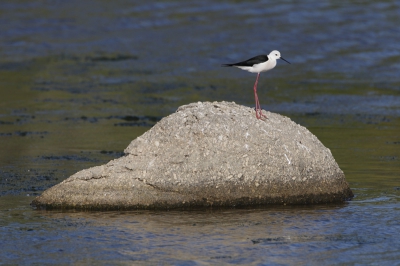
(209, 154)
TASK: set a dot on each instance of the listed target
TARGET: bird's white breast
(262, 67)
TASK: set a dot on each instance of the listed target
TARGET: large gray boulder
(209, 154)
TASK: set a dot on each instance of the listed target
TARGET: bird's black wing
(250, 62)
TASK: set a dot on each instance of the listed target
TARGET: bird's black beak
(285, 60)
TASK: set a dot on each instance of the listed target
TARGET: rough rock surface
(209, 154)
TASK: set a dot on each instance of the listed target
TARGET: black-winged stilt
(258, 64)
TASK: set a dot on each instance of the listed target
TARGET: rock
(209, 154)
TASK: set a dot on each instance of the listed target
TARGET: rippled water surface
(80, 79)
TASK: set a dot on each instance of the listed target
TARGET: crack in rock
(143, 180)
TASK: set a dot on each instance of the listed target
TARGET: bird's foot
(263, 117)
(260, 115)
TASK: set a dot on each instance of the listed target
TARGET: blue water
(80, 79)
(361, 232)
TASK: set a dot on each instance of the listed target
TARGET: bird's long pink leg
(259, 113)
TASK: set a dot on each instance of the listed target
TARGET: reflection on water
(284, 235)
(79, 81)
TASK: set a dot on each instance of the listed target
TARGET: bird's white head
(276, 55)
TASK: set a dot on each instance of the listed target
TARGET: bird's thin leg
(256, 96)
(257, 106)
(259, 113)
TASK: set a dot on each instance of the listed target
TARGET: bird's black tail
(227, 65)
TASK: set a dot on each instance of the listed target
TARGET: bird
(258, 64)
